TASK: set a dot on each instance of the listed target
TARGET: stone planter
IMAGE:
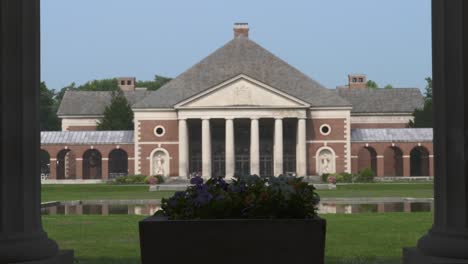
(232, 241)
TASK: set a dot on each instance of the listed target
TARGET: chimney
(357, 81)
(241, 30)
(127, 83)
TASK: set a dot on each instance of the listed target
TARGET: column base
(415, 256)
(63, 257)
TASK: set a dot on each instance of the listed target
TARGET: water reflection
(101, 209)
(113, 208)
(408, 207)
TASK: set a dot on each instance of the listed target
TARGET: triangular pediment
(242, 91)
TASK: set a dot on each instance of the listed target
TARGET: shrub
(252, 197)
(129, 179)
(332, 179)
(158, 179)
(325, 177)
(366, 175)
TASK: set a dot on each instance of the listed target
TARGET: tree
(388, 86)
(155, 84)
(423, 117)
(118, 115)
(429, 88)
(372, 84)
(49, 120)
(100, 85)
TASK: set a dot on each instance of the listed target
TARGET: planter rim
(165, 219)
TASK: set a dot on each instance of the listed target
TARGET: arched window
(92, 164)
(118, 163)
(45, 164)
(419, 162)
(66, 166)
(367, 158)
(393, 162)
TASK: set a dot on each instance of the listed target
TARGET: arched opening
(159, 164)
(419, 162)
(325, 161)
(367, 158)
(92, 165)
(45, 164)
(393, 162)
(66, 165)
(118, 163)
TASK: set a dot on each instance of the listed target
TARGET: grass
(360, 238)
(129, 192)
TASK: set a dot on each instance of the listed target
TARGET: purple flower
(203, 198)
(196, 180)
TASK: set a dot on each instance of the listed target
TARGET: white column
(206, 149)
(301, 154)
(230, 149)
(183, 148)
(254, 147)
(278, 148)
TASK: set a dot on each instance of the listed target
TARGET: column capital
(205, 118)
(255, 118)
(229, 118)
(279, 118)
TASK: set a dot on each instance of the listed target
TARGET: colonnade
(301, 160)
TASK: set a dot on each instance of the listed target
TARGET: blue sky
(389, 40)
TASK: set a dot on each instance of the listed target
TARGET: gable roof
(396, 100)
(77, 103)
(242, 56)
(86, 137)
(392, 135)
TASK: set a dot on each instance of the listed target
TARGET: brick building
(242, 110)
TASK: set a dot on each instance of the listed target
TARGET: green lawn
(128, 192)
(361, 238)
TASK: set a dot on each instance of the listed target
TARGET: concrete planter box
(232, 241)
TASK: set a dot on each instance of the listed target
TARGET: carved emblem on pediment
(242, 95)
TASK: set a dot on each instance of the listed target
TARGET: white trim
(241, 113)
(163, 131)
(159, 143)
(326, 141)
(301, 103)
(329, 129)
(141, 110)
(354, 157)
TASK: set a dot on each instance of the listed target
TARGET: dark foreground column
(447, 241)
(22, 239)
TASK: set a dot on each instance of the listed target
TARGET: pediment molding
(242, 92)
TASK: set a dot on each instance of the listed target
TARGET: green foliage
(325, 177)
(155, 84)
(251, 197)
(388, 86)
(366, 175)
(372, 84)
(429, 88)
(129, 179)
(49, 120)
(118, 115)
(423, 117)
(100, 85)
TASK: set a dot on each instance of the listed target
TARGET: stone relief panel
(243, 93)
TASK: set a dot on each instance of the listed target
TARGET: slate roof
(242, 56)
(86, 137)
(396, 100)
(93, 103)
(392, 135)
